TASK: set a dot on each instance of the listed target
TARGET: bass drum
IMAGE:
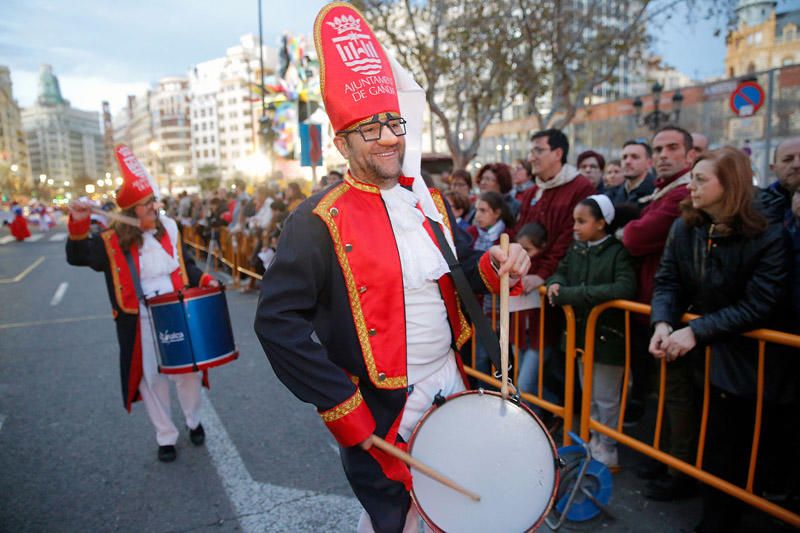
(496, 448)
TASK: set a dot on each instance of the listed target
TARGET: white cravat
(428, 336)
(420, 258)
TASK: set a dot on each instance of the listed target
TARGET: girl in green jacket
(597, 269)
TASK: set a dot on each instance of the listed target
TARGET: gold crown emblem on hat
(345, 23)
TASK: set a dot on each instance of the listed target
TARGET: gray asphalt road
(71, 458)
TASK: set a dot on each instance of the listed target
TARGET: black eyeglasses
(371, 131)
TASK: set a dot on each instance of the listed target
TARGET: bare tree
(472, 57)
(455, 49)
(563, 49)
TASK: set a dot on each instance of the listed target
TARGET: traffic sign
(747, 98)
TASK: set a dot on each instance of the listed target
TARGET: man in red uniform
(360, 316)
(19, 226)
(153, 254)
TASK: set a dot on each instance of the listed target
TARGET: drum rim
(553, 448)
(189, 293)
(204, 365)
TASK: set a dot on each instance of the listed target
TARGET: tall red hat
(135, 181)
(356, 78)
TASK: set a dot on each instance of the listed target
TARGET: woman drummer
(149, 255)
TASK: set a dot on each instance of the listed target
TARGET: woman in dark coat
(724, 261)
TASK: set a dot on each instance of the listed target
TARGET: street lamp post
(657, 118)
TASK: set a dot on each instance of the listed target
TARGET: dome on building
(49, 90)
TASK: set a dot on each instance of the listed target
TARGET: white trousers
(447, 381)
(606, 393)
(156, 398)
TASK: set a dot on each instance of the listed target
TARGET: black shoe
(669, 488)
(650, 469)
(167, 454)
(197, 435)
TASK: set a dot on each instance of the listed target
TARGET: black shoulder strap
(134, 275)
(483, 329)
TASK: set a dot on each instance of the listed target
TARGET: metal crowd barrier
(653, 450)
(235, 249)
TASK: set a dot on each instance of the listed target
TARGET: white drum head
(495, 448)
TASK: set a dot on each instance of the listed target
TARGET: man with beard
(360, 317)
(645, 238)
(776, 202)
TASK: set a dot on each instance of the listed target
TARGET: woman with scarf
(492, 218)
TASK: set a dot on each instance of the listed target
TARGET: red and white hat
(135, 180)
(356, 78)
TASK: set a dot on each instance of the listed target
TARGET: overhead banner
(310, 145)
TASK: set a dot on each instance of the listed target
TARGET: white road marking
(19, 277)
(58, 237)
(59, 293)
(6, 239)
(54, 321)
(35, 237)
(267, 508)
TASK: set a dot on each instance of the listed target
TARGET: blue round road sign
(747, 98)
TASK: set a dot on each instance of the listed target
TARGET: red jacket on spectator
(646, 236)
(553, 211)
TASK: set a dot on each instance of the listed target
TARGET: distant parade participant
(155, 251)
(360, 316)
(19, 226)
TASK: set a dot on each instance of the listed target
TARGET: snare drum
(496, 448)
(192, 330)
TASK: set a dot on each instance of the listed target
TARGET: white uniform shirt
(428, 336)
(155, 267)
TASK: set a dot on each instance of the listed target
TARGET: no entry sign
(747, 98)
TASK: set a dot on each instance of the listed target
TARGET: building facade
(65, 144)
(14, 159)
(763, 38)
(225, 108)
(169, 153)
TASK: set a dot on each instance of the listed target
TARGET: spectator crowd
(682, 228)
(672, 224)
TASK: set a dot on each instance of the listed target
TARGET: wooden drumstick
(131, 221)
(422, 467)
(504, 245)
